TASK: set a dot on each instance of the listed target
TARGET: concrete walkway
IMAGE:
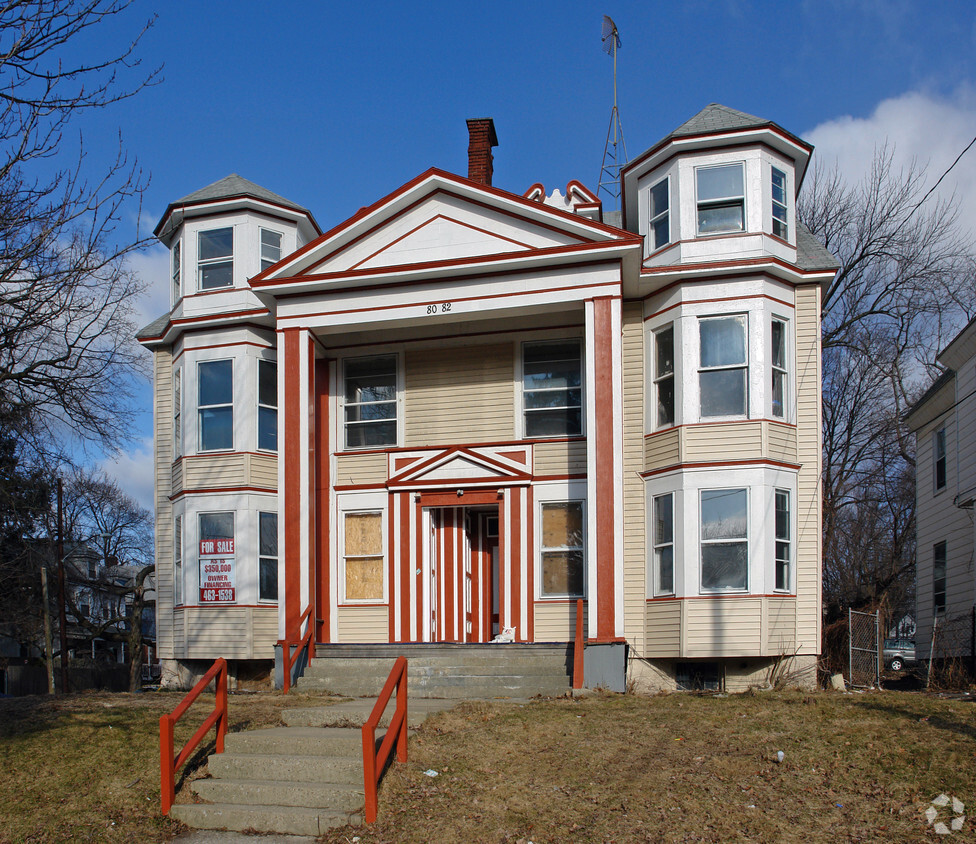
(211, 836)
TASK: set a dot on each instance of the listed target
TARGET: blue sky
(335, 105)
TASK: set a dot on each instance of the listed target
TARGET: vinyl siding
(707, 443)
(459, 395)
(781, 621)
(556, 622)
(723, 627)
(361, 469)
(264, 470)
(212, 471)
(230, 632)
(363, 624)
(163, 457)
(808, 445)
(635, 559)
(781, 442)
(558, 459)
(663, 629)
(663, 449)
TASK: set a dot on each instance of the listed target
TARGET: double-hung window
(664, 375)
(371, 401)
(939, 559)
(178, 411)
(939, 457)
(562, 549)
(552, 391)
(363, 556)
(215, 258)
(659, 226)
(267, 405)
(270, 248)
(724, 366)
(177, 272)
(721, 199)
(178, 561)
(783, 544)
(778, 371)
(780, 225)
(215, 404)
(664, 544)
(268, 556)
(724, 539)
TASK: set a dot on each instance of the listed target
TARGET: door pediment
(461, 467)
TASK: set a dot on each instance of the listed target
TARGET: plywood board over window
(562, 549)
(363, 557)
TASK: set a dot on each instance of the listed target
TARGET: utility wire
(932, 189)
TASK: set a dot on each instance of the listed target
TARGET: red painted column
(601, 440)
(321, 536)
(291, 492)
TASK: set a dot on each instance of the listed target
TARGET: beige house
(463, 409)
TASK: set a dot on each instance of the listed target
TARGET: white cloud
(152, 266)
(930, 128)
(133, 471)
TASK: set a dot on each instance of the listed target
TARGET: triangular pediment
(459, 467)
(437, 220)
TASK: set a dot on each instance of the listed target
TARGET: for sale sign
(217, 571)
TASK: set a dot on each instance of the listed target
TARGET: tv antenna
(612, 158)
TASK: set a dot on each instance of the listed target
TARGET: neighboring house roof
(811, 254)
(234, 185)
(913, 416)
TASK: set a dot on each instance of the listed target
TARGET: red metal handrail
(578, 647)
(288, 660)
(168, 766)
(374, 761)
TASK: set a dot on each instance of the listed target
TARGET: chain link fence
(952, 659)
(862, 659)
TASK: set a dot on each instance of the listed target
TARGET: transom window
(659, 226)
(552, 394)
(216, 404)
(664, 375)
(371, 401)
(939, 449)
(664, 544)
(780, 227)
(215, 258)
(363, 556)
(562, 549)
(778, 371)
(724, 540)
(270, 248)
(783, 555)
(268, 556)
(267, 405)
(721, 199)
(723, 372)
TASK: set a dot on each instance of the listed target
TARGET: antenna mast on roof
(612, 159)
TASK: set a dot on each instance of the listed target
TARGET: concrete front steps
(456, 672)
(300, 779)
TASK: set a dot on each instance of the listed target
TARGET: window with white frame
(268, 556)
(721, 199)
(724, 539)
(783, 539)
(723, 366)
(215, 404)
(362, 559)
(215, 258)
(178, 561)
(780, 224)
(552, 388)
(370, 401)
(178, 411)
(177, 272)
(664, 544)
(270, 248)
(779, 382)
(659, 225)
(562, 558)
(267, 405)
(664, 375)
(940, 557)
(939, 458)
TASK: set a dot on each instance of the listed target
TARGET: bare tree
(66, 350)
(905, 285)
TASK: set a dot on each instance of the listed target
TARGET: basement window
(698, 677)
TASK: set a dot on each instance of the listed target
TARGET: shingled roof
(811, 254)
(234, 185)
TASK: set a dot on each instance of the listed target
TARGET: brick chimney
(481, 138)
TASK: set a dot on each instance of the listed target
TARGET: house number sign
(442, 308)
(217, 571)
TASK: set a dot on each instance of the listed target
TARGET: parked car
(898, 653)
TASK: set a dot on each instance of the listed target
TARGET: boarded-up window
(364, 556)
(562, 549)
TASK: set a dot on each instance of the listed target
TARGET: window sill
(559, 599)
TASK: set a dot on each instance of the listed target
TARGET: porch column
(321, 571)
(296, 478)
(604, 486)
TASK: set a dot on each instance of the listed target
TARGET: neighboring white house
(463, 409)
(944, 422)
